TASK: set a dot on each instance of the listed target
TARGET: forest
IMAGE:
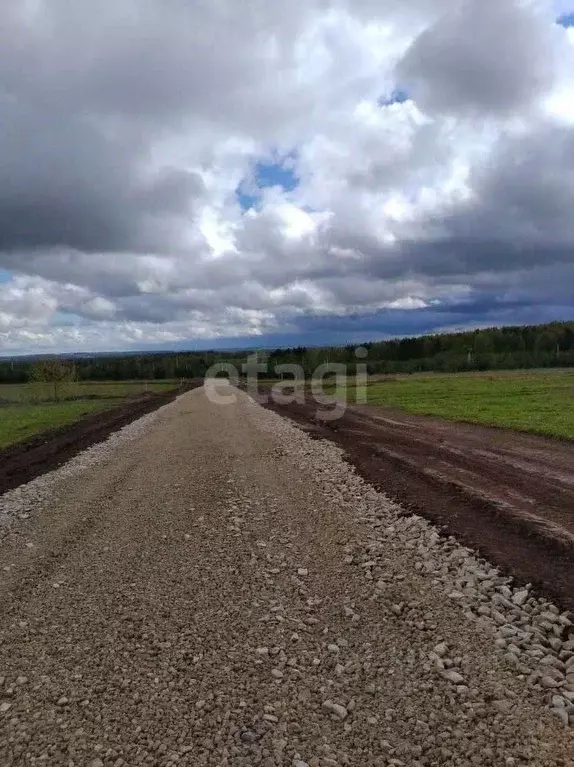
(510, 348)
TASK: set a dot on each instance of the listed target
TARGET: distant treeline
(529, 346)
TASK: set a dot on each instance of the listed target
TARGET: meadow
(538, 401)
(29, 409)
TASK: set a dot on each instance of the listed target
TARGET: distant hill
(511, 347)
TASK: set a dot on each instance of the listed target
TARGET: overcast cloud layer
(176, 171)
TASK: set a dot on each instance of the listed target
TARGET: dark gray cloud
(63, 184)
(152, 61)
(525, 189)
(66, 184)
(483, 58)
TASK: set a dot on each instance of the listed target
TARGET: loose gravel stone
(336, 709)
(454, 677)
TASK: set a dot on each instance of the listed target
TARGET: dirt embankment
(508, 495)
(38, 455)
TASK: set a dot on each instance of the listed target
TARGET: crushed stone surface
(216, 588)
(19, 503)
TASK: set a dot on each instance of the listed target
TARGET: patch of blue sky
(396, 96)
(5, 276)
(273, 174)
(246, 201)
(276, 171)
(566, 20)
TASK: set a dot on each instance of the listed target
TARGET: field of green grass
(538, 401)
(25, 409)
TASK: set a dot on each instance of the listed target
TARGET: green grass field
(25, 411)
(533, 401)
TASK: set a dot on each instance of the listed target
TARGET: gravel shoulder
(24, 461)
(223, 590)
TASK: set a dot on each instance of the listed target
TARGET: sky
(192, 173)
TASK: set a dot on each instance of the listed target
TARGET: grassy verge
(533, 401)
(25, 411)
(19, 422)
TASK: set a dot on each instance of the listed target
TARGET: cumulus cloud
(182, 170)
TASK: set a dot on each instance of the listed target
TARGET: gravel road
(223, 590)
